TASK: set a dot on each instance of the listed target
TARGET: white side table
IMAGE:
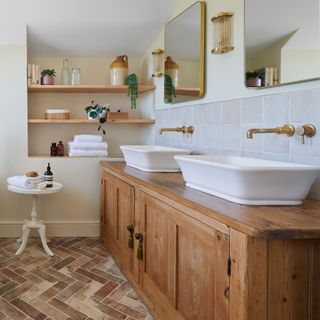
(34, 223)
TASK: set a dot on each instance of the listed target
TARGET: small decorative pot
(47, 80)
(253, 82)
(92, 114)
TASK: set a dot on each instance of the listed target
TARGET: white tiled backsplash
(220, 128)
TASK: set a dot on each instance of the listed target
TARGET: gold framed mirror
(281, 42)
(184, 36)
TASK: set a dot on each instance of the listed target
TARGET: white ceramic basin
(152, 158)
(248, 181)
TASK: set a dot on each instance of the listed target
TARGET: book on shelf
(34, 74)
(269, 76)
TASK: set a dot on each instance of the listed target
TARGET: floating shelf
(87, 89)
(112, 157)
(188, 91)
(86, 121)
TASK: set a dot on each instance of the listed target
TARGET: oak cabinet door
(118, 214)
(185, 262)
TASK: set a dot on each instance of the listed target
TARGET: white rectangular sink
(248, 181)
(153, 158)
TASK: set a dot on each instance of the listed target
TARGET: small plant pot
(47, 80)
(253, 82)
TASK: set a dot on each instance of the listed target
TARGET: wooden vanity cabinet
(185, 263)
(117, 213)
(195, 263)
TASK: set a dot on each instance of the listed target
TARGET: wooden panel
(273, 222)
(111, 211)
(86, 88)
(202, 279)
(159, 235)
(86, 121)
(288, 284)
(249, 279)
(314, 280)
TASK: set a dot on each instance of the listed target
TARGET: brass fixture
(222, 24)
(287, 129)
(184, 129)
(307, 130)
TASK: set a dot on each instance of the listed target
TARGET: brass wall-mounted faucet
(307, 130)
(287, 129)
(184, 129)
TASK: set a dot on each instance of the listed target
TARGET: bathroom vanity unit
(191, 255)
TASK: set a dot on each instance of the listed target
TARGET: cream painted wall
(75, 210)
(299, 64)
(224, 73)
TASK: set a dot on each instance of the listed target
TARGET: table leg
(42, 232)
(25, 234)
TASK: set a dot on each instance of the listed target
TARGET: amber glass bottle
(60, 149)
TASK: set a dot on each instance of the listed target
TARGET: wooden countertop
(269, 222)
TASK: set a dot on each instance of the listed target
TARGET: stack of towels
(87, 145)
(25, 182)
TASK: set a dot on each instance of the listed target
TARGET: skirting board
(60, 228)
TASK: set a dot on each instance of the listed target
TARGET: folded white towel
(25, 182)
(87, 138)
(87, 153)
(87, 145)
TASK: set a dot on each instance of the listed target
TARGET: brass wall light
(158, 60)
(222, 31)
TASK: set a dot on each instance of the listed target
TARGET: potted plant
(253, 79)
(96, 111)
(47, 76)
(132, 83)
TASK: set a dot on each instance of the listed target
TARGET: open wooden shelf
(111, 157)
(86, 121)
(87, 89)
(187, 91)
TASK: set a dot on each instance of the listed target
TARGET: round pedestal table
(34, 223)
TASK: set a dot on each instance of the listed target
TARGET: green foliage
(100, 112)
(132, 83)
(169, 90)
(253, 74)
(49, 72)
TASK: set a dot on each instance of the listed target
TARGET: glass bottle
(53, 149)
(75, 76)
(65, 73)
(60, 149)
(48, 177)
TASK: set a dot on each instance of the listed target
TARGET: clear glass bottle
(48, 177)
(66, 73)
(75, 76)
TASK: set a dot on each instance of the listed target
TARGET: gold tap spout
(287, 129)
(184, 129)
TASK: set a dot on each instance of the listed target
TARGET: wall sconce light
(222, 30)
(158, 56)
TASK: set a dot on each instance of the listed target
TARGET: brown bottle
(60, 149)
(48, 177)
(53, 149)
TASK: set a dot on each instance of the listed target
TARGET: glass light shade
(158, 61)
(222, 31)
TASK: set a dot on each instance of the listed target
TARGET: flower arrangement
(96, 111)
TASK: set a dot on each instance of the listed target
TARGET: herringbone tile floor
(80, 282)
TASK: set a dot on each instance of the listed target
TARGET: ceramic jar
(47, 80)
(119, 71)
(172, 70)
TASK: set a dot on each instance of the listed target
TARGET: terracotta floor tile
(81, 282)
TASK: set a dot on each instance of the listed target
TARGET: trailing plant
(169, 90)
(132, 83)
(48, 72)
(96, 111)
